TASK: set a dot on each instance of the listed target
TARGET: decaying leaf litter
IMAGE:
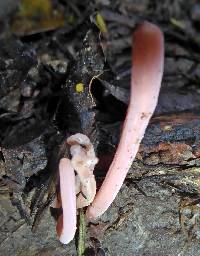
(35, 118)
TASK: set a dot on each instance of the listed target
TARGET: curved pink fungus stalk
(66, 225)
(146, 76)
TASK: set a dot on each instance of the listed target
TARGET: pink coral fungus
(83, 184)
(146, 76)
(79, 190)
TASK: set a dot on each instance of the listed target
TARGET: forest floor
(157, 211)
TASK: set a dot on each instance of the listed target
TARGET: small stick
(82, 233)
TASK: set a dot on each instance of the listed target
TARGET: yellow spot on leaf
(79, 87)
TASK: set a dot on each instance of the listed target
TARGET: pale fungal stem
(146, 76)
(66, 225)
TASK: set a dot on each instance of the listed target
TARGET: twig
(82, 233)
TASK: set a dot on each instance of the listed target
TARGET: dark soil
(45, 51)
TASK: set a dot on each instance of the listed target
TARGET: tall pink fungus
(66, 224)
(146, 76)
